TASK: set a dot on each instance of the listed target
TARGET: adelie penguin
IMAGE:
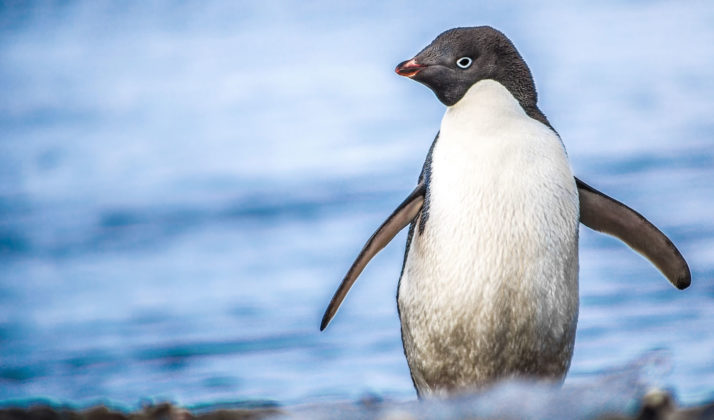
(489, 284)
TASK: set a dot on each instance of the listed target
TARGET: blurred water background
(183, 185)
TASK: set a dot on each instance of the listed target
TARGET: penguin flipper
(401, 217)
(605, 214)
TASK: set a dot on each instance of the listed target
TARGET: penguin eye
(464, 62)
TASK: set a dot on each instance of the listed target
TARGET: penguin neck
(490, 97)
(487, 104)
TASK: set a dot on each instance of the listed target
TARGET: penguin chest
(489, 287)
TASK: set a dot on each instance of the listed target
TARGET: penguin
(489, 282)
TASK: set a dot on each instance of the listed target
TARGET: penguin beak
(409, 68)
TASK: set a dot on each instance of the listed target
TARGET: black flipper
(605, 214)
(402, 216)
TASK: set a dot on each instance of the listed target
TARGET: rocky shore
(655, 405)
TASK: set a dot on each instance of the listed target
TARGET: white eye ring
(464, 62)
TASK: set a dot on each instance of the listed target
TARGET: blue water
(183, 185)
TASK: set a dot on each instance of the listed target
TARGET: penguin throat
(483, 99)
(488, 97)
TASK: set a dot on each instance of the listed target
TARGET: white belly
(489, 288)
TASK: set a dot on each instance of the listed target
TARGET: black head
(460, 57)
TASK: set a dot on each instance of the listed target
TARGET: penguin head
(460, 57)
